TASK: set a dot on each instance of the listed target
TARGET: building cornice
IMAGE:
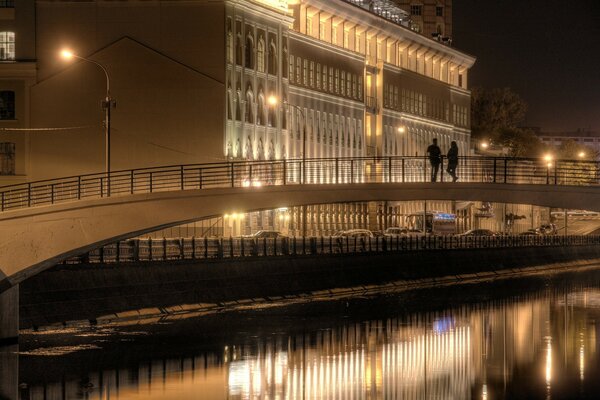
(363, 17)
(324, 45)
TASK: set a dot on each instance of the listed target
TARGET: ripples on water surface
(532, 339)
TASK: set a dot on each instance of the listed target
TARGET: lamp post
(273, 101)
(548, 159)
(107, 104)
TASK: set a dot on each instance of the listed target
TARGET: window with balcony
(7, 46)
(7, 158)
(7, 104)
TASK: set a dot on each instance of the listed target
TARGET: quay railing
(148, 250)
(396, 169)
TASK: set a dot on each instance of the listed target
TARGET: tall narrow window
(298, 70)
(260, 55)
(305, 73)
(238, 49)
(229, 46)
(7, 46)
(318, 76)
(272, 58)
(7, 158)
(7, 104)
(249, 52)
(311, 74)
(325, 77)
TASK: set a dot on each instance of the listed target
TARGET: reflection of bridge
(43, 223)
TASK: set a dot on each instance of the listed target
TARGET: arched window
(238, 49)
(249, 149)
(7, 45)
(249, 105)
(238, 105)
(229, 46)
(260, 55)
(271, 150)
(238, 147)
(261, 117)
(285, 62)
(272, 58)
(229, 102)
(261, 150)
(249, 51)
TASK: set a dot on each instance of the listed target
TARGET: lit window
(416, 9)
(7, 158)
(7, 45)
(7, 104)
(260, 55)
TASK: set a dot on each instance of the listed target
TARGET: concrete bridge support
(9, 316)
(9, 372)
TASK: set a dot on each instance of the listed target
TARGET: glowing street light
(401, 129)
(548, 157)
(107, 104)
(581, 154)
(485, 145)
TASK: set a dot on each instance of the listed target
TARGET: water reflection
(540, 346)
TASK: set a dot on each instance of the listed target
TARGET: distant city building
(192, 80)
(580, 136)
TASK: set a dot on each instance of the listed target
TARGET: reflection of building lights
(548, 157)
(484, 392)
(581, 358)
(549, 165)
(581, 154)
(287, 217)
(484, 145)
(253, 183)
(549, 362)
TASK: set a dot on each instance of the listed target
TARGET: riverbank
(101, 293)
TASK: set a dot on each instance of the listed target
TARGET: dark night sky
(546, 51)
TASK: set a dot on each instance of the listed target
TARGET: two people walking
(435, 159)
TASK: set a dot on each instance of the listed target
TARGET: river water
(533, 338)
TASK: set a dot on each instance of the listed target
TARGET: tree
(493, 110)
(571, 150)
(521, 142)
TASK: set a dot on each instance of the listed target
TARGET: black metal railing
(397, 169)
(144, 250)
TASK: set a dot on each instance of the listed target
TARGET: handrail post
(131, 181)
(199, 178)
(505, 168)
(441, 168)
(352, 170)
(495, 169)
(52, 193)
(337, 170)
(284, 172)
(390, 169)
(403, 174)
(78, 188)
(29, 194)
(181, 177)
(101, 187)
(232, 176)
(555, 172)
(2, 206)
(150, 182)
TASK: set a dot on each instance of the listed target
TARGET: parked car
(266, 234)
(478, 232)
(530, 232)
(395, 231)
(354, 233)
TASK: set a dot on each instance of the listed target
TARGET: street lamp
(107, 104)
(581, 154)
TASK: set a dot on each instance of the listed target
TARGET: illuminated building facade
(192, 81)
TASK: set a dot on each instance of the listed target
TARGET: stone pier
(9, 316)
(9, 372)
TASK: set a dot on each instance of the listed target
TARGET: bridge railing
(396, 169)
(145, 250)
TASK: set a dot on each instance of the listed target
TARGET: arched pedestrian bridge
(43, 223)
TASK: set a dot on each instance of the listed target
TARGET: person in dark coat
(434, 159)
(452, 161)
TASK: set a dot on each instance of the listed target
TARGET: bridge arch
(34, 239)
